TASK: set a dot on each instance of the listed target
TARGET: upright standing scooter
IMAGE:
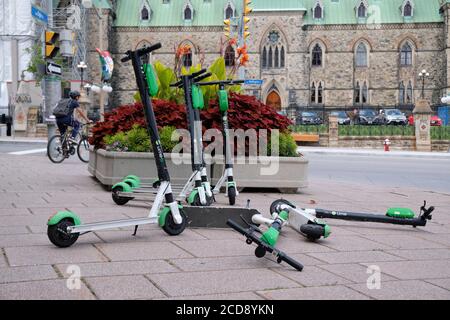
(201, 195)
(227, 176)
(65, 227)
(197, 190)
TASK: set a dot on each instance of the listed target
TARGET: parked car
(369, 116)
(343, 118)
(395, 116)
(309, 118)
(435, 121)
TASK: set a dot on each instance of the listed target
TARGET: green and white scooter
(298, 219)
(397, 216)
(65, 227)
(228, 175)
(197, 190)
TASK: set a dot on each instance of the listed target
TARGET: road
(23, 148)
(403, 172)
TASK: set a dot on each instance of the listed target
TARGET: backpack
(62, 109)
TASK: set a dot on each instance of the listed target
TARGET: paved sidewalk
(211, 264)
(23, 140)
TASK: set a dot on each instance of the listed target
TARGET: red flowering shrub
(246, 112)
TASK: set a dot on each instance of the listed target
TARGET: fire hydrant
(387, 144)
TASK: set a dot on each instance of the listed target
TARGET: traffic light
(51, 47)
(227, 28)
(246, 19)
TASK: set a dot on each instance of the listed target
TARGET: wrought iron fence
(440, 133)
(361, 130)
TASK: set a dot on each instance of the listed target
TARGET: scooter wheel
(58, 236)
(260, 252)
(198, 203)
(232, 196)
(173, 229)
(274, 206)
(312, 231)
(118, 199)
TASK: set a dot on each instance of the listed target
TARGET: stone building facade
(332, 54)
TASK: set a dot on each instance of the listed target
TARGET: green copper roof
(211, 12)
(206, 13)
(379, 11)
(280, 5)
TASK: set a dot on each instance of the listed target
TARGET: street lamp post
(423, 75)
(82, 66)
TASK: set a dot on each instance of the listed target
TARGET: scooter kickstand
(135, 231)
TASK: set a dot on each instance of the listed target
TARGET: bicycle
(60, 148)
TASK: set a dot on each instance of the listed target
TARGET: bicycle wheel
(55, 150)
(83, 150)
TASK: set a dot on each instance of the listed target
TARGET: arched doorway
(274, 100)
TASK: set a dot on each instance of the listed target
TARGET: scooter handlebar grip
(203, 77)
(177, 84)
(295, 264)
(147, 50)
(196, 74)
(127, 58)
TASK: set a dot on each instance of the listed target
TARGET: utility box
(444, 114)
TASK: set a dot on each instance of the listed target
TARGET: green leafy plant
(137, 140)
(36, 66)
(287, 147)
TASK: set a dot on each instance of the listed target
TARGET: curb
(376, 153)
(18, 141)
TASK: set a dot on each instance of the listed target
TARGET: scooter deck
(214, 217)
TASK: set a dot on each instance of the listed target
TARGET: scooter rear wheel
(173, 229)
(312, 231)
(59, 237)
(119, 200)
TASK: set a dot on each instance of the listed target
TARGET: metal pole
(102, 96)
(15, 81)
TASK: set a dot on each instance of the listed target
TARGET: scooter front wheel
(58, 235)
(198, 203)
(232, 196)
(274, 206)
(312, 231)
(172, 228)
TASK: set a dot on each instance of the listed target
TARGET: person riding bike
(68, 120)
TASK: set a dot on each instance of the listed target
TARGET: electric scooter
(227, 176)
(195, 191)
(397, 216)
(65, 227)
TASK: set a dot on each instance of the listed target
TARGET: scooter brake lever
(251, 226)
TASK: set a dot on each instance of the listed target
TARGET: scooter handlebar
(295, 264)
(202, 77)
(142, 52)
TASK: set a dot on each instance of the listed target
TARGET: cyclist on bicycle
(69, 120)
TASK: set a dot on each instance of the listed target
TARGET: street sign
(254, 82)
(38, 14)
(53, 68)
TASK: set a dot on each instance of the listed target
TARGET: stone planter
(287, 175)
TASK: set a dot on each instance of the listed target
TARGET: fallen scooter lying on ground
(398, 216)
(267, 241)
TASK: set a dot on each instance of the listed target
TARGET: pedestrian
(68, 120)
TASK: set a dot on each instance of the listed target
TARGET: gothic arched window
(264, 58)
(270, 64)
(277, 58)
(402, 93)
(362, 10)
(406, 55)
(188, 13)
(282, 58)
(357, 93)
(230, 56)
(409, 93)
(145, 14)
(361, 55)
(318, 12)
(320, 93)
(317, 55)
(229, 12)
(407, 10)
(313, 93)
